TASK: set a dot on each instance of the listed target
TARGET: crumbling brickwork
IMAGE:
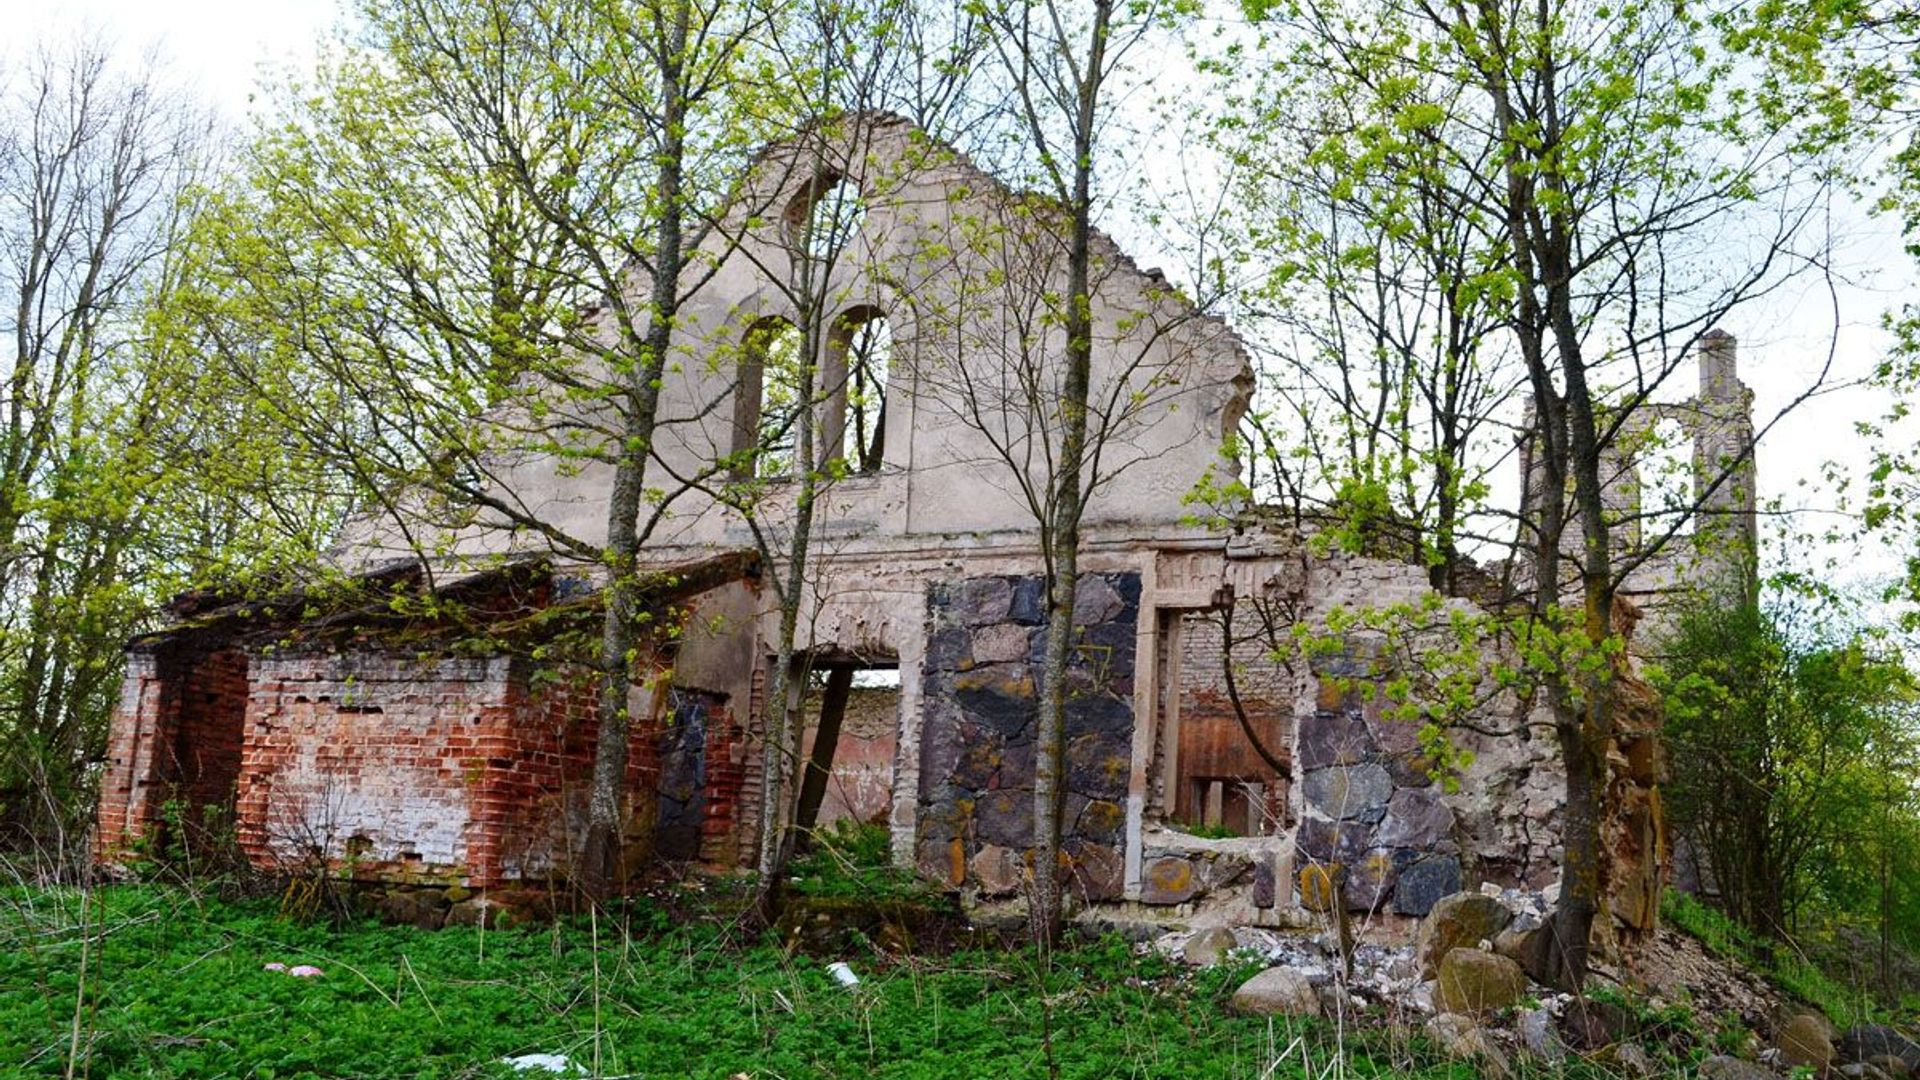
(393, 763)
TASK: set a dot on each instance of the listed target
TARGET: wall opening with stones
(977, 739)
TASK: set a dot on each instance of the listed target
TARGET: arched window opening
(861, 355)
(825, 216)
(1666, 481)
(766, 401)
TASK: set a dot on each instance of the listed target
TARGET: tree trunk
(781, 746)
(606, 816)
(1063, 556)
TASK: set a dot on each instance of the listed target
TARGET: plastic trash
(273, 965)
(557, 1064)
(305, 971)
(843, 974)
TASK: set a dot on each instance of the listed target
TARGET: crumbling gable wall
(948, 257)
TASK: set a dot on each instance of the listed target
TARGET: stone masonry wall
(1374, 824)
(983, 661)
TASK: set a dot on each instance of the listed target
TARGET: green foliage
(174, 987)
(854, 860)
(1795, 753)
(1724, 937)
(1210, 832)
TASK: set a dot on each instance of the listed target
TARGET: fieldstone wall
(986, 646)
(1375, 833)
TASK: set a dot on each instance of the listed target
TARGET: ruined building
(428, 748)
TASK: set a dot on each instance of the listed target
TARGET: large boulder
(1278, 991)
(1474, 982)
(1803, 1040)
(1869, 1041)
(1464, 919)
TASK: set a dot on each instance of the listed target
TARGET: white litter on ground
(558, 1064)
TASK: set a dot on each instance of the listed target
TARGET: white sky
(220, 48)
(214, 47)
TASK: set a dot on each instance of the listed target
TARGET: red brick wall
(532, 806)
(129, 792)
(207, 736)
(726, 830)
(371, 758)
(474, 770)
(176, 735)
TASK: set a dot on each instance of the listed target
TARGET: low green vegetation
(1793, 734)
(170, 984)
(850, 859)
(1720, 935)
(174, 986)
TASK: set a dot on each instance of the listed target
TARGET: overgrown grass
(1780, 964)
(154, 981)
(174, 987)
(849, 859)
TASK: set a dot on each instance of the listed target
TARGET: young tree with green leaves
(1602, 154)
(100, 514)
(485, 200)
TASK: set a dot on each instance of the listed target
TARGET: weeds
(176, 987)
(1782, 965)
(850, 859)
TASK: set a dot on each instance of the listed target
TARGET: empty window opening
(824, 217)
(766, 402)
(861, 354)
(853, 715)
(1219, 777)
(1666, 482)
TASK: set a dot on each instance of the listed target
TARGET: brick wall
(1221, 778)
(860, 787)
(461, 769)
(143, 715)
(374, 759)
(176, 735)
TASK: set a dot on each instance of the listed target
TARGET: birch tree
(96, 155)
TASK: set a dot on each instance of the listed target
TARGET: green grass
(173, 987)
(849, 859)
(1784, 968)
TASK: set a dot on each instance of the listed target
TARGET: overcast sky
(216, 47)
(221, 47)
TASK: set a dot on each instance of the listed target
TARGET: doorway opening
(852, 709)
